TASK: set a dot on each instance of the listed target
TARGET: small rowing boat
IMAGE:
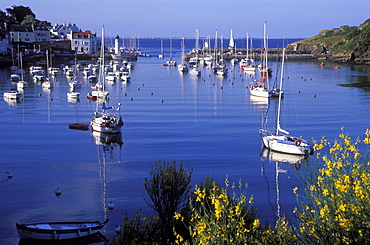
(79, 126)
(59, 230)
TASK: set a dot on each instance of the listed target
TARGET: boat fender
(297, 142)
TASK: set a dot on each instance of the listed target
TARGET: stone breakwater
(275, 55)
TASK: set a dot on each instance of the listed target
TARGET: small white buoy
(110, 205)
(58, 192)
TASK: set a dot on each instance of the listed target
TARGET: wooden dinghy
(59, 230)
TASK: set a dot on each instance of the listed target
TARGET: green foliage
(28, 20)
(218, 218)
(138, 230)
(20, 12)
(329, 33)
(167, 193)
(345, 40)
(335, 207)
(2, 13)
(168, 189)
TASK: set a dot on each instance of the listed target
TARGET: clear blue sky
(177, 18)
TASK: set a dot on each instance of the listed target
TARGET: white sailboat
(182, 67)
(280, 140)
(194, 67)
(170, 62)
(247, 64)
(21, 84)
(261, 88)
(47, 83)
(103, 120)
(161, 54)
(99, 92)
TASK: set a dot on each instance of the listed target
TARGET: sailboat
(21, 84)
(261, 88)
(47, 84)
(182, 66)
(280, 140)
(194, 65)
(99, 92)
(161, 54)
(103, 120)
(247, 64)
(170, 62)
(221, 69)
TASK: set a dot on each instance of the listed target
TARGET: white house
(63, 31)
(41, 33)
(84, 42)
(21, 34)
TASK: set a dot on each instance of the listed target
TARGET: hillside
(342, 41)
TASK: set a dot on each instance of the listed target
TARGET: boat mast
(20, 56)
(265, 54)
(247, 51)
(280, 89)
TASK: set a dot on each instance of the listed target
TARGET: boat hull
(260, 92)
(281, 144)
(109, 126)
(58, 230)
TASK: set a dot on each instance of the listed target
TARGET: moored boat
(79, 126)
(13, 95)
(58, 230)
(105, 122)
(279, 139)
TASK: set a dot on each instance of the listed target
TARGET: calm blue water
(210, 123)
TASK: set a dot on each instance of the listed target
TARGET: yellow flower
(256, 223)
(342, 207)
(367, 132)
(179, 216)
(295, 190)
(367, 141)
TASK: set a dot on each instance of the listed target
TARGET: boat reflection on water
(111, 140)
(279, 160)
(106, 143)
(273, 156)
(260, 103)
(12, 102)
(91, 239)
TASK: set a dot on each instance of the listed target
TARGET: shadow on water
(92, 239)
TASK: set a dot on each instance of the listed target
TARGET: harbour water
(210, 123)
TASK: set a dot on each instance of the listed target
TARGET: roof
(83, 34)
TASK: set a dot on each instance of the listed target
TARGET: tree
(2, 13)
(28, 20)
(20, 12)
(168, 191)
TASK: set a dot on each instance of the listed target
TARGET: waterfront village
(63, 40)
